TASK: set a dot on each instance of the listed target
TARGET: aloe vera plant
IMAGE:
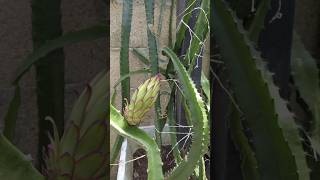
(265, 114)
(189, 164)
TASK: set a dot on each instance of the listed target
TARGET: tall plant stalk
(46, 25)
(124, 67)
(153, 56)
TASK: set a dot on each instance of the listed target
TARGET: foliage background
(83, 60)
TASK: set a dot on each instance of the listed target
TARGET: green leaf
(272, 125)
(306, 79)
(10, 118)
(118, 122)
(195, 104)
(199, 36)
(124, 51)
(46, 25)
(153, 55)
(14, 165)
(92, 33)
(205, 84)
(172, 124)
(249, 164)
(127, 11)
(257, 24)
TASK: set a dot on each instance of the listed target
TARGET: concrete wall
(83, 60)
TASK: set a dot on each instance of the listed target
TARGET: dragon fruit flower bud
(142, 100)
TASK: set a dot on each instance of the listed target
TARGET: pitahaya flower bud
(142, 100)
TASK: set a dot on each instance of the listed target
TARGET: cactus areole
(142, 100)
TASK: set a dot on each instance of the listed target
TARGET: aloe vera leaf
(153, 55)
(172, 124)
(14, 165)
(10, 118)
(92, 33)
(162, 8)
(142, 57)
(152, 42)
(181, 33)
(205, 85)
(170, 38)
(257, 25)
(200, 138)
(249, 164)
(306, 79)
(202, 170)
(127, 11)
(153, 153)
(199, 35)
(124, 51)
(270, 121)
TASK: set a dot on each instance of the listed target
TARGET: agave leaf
(271, 123)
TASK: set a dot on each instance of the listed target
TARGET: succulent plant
(81, 153)
(142, 100)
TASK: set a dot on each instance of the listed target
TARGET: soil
(141, 165)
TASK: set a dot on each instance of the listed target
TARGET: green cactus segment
(142, 100)
(200, 137)
(273, 126)
(249, 164)
(118, 122)
(84, 141)
(306, 78)
(14, 165)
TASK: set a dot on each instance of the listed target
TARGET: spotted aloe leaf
(81, 152)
